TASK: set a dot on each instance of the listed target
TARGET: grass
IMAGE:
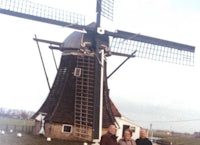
(183, 140)
(7, 124)
(12, 121)
(178, 139)
(26, 139)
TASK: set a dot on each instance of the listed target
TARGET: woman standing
(127, 140)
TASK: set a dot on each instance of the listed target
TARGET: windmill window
(77, 72)
(66, 128)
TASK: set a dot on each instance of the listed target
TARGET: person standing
(143, 140)
(110, 137)
(127, 140)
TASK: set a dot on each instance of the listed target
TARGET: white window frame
(132, 128)
(63, 126)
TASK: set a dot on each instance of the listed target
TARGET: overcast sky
(143, 90)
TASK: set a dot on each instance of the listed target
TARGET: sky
(147, 92)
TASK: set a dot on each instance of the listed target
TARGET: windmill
(79, 95)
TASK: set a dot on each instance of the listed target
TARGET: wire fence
(7, 128)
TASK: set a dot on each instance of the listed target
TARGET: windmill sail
(122, 43)
(125, 43)
(107, 8)
(37, 12)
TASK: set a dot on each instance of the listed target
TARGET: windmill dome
(73, 41)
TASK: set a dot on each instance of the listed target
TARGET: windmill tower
(71, 102)
(78, 104)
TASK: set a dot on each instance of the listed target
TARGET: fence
(17, 128)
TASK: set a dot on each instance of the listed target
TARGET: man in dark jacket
(143, 140)
(110, 137)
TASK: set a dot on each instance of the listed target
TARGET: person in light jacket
(127, 140)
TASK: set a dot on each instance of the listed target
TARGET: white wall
(124, 121)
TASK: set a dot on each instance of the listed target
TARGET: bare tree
(13, 113)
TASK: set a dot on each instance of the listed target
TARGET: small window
(77, 72)
(67, 128)
(132, 128)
